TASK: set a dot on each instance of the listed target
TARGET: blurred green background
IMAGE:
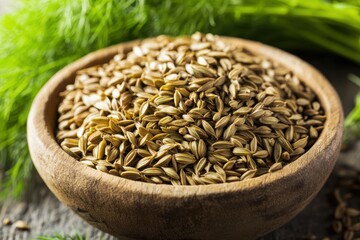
(38, 37)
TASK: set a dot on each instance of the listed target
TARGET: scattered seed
(348, 235)
(337, 226)
(7, 222)
(352, 212)
(21, 225)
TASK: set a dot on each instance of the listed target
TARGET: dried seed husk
(249, 174)
(285, 144)
(222, 145)
(130, 174)
(95, 137)
(313, 132)
(222, 122)
(101, 149)
(200, 165)
(355, 227)
(130, 157)
(183, 177)
(202, 150)
(152, 171)
(211, 178)
(229, 165)
(70, 152)
(164, 161)
(302, 102)
(102, 168)
(352, 212)
(301, 143)
(114, 153)
(145, 161)
(340, 211)
(253, 144)
(184, 158)
(221, 172)
(132, 138)
(297, 152)
(208, 128)
(190, 180)
(241, 151)
(268, 120)
(114, 172)
(7, 222)
(338, 196)
(349, 235)
(277, 151)
(337, 226)
(276, 167)
(261, 154)
(22, 225)
(251, 162)
(171, 173)
(229, 132)
(215, 158)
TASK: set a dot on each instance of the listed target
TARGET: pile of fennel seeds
(188, 111)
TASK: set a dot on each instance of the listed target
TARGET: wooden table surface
(47, 216)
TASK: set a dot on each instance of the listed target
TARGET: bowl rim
(326, 94)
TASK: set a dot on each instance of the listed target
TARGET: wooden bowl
(238, 210)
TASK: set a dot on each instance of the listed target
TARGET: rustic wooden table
(47, 216)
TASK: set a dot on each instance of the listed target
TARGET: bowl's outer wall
(243, 210)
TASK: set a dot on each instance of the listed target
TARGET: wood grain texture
(47, 216)
(141, 210)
